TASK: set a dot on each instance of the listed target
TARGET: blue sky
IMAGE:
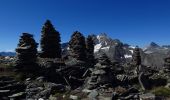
(137, 22)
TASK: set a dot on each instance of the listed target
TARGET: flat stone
(86, 90)
(93, 95)
(4, 91)
(73, 97)
(147, 96)
(17, 95)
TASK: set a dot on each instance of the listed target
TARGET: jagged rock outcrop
(50, 42)
(113, 48)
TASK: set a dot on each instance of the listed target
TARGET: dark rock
(40, 79)
(115, 96)
(39, 89)
(56, 87)
(144, 81)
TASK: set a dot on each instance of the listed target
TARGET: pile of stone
(167, 64)
(101, 76)
(51, 70)
(136, 58)
(26, 54)
(50, 41)
(77, 46)
(26, 50)
(40, 89)
(11, 89)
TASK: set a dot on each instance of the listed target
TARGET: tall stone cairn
(90, 50)
(50, 41)
(101, 75)
(136, 58)
(26, 52)
(167, 63)
(77, 46)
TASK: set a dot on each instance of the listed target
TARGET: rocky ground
(39, 89)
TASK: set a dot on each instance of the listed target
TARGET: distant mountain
(154, 45)
(114, 48)
(7, 53)
(154, 54)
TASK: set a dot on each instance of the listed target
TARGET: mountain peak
(153, 44)
(103, 34)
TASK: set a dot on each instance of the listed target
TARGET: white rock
(73, 97)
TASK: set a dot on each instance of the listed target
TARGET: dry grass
(161, 91)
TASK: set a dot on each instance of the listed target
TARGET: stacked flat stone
(167, 64)
(50, 41)
(90, 50)
(102, 74)
(77, 46)
(136, 58)
(26, 52)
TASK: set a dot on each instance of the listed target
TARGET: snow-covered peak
(102, 41)
(103, 38)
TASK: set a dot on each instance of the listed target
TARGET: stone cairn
(26, 54)
(90, 50)
(167, 68)
(167, 64)
(77, 46)
(136, 58)
(101, 75)
(50, 41)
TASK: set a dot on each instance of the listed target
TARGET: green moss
(161, 91)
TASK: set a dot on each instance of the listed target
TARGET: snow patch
(68, 48)
(106, 48)
(97, 47)
(166, 48)
(132, 47)
(131, 51)
(144, 49)
(127, 56)
(148, 52)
